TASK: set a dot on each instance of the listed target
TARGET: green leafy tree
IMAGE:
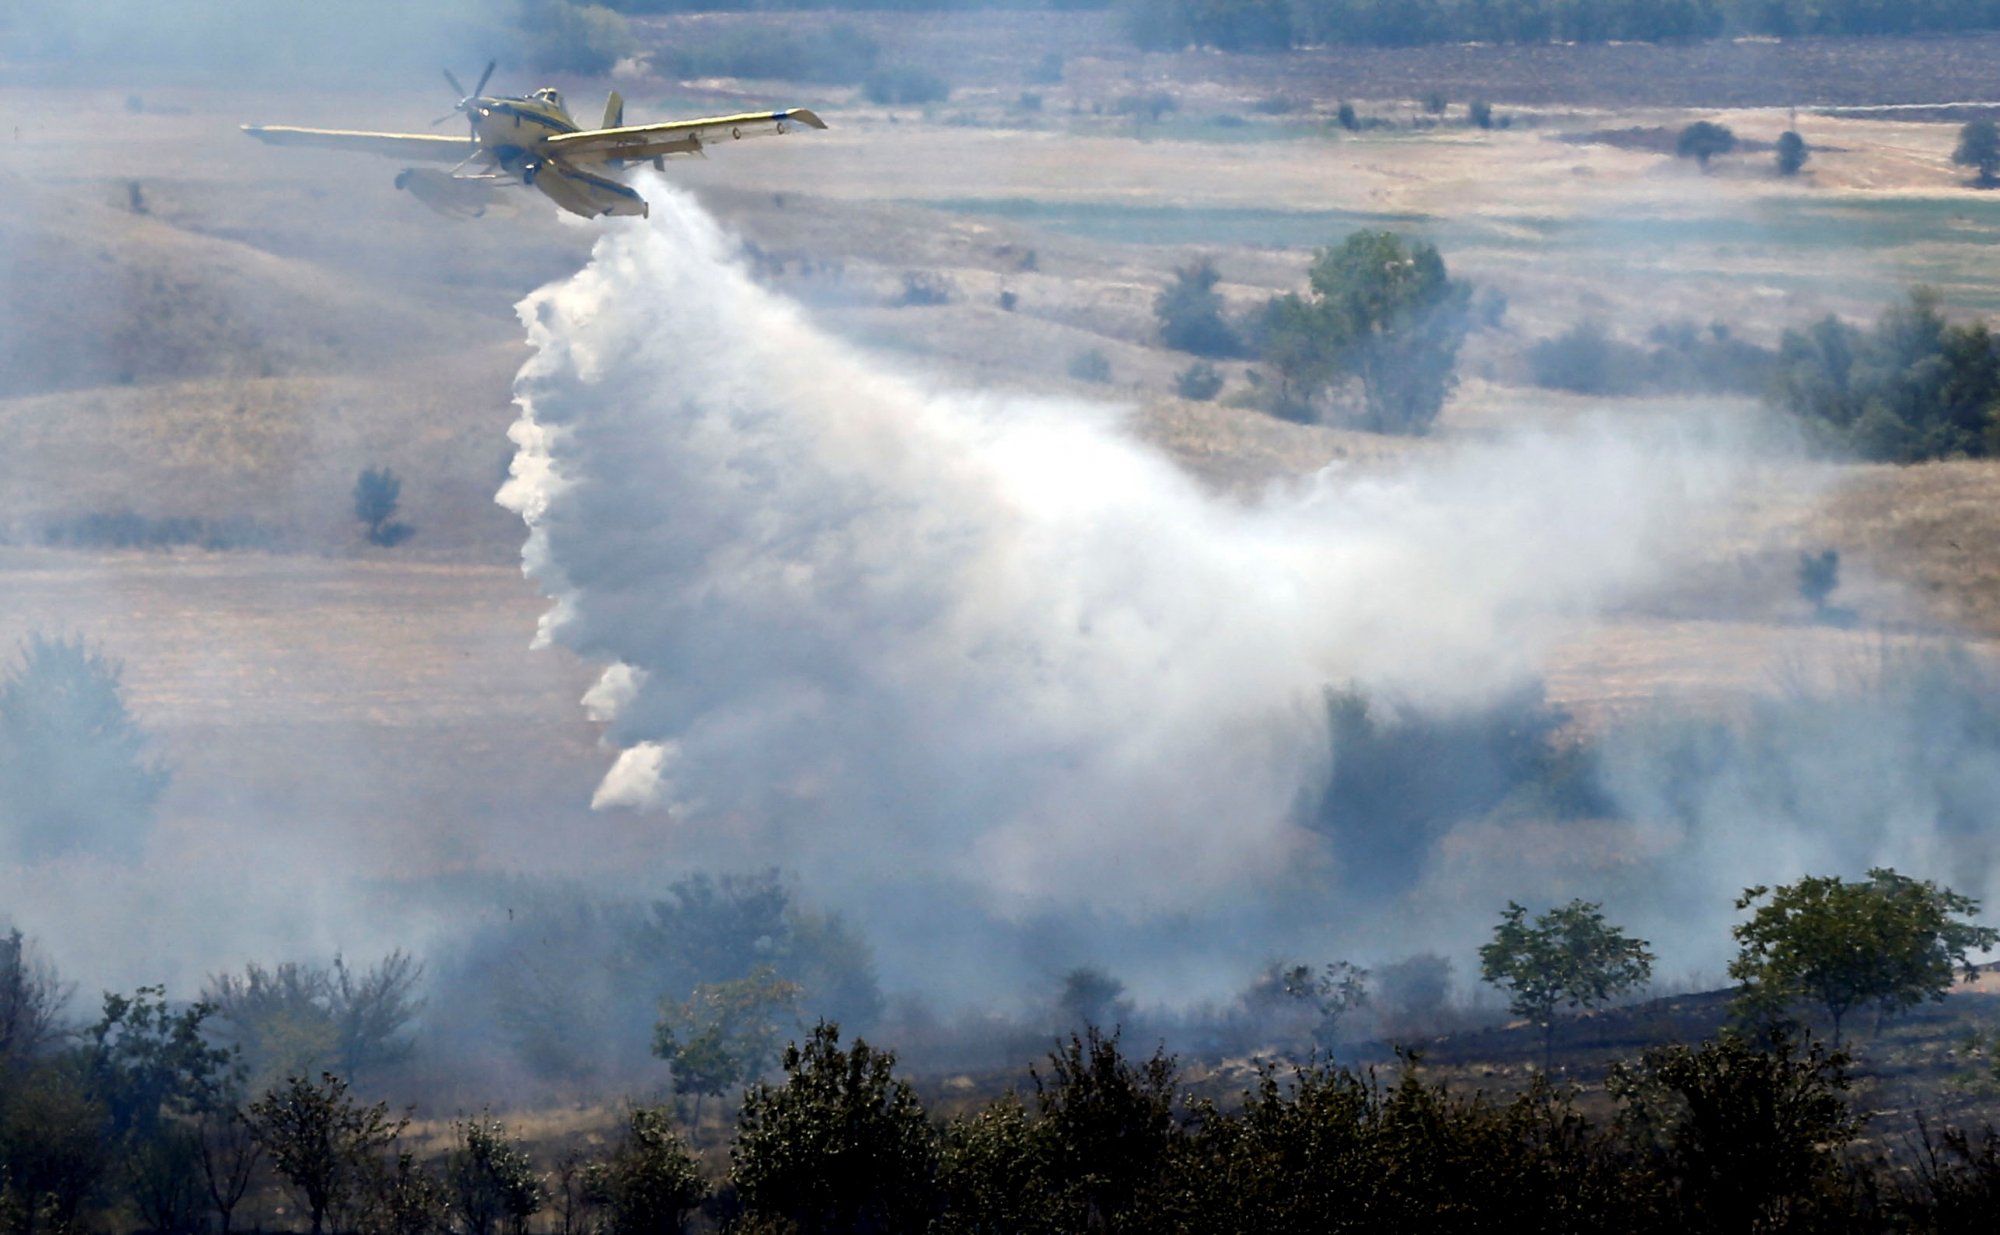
(1569, 957)
(1979, 149)
(842, 1145)
(1888, 941)
(1382, 316)
(1915, 386)
(1106, 1135)
(990, 1173)
(296, 1018)
(54, 1154)
(402, 1197)
(327, 1146)
(650, 1183)
(1190, 313)
(1747, 1139)
(1703, 140)
(726, 1034)
(151, 1063)
(1792, 153)
(490, 1179)
(73, 767)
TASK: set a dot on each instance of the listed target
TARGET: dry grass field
(201, 327)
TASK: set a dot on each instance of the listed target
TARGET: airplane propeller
(466, 97)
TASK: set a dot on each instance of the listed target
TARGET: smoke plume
(986, 657)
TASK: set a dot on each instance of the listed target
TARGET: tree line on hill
(1372, 343)
(1261, 25)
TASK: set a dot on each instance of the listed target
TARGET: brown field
(276, 320)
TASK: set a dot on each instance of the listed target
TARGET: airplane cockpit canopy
(549, 94)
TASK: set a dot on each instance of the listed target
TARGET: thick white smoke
(888, 634)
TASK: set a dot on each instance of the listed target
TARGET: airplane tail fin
(614, 111)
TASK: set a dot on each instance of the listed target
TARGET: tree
(228, 1154)
(1090, 996)
(1325, 996)
(724, 1035)
(1190, 313)
(650, 1183)
(73, 767)
(490, 1178)
(323, 1143)
(842, 1145)
(376, 492)
(1569, 957)
(31, 1004)
(1979, 148)
(1106, 1132)
(53, 1150)
(149, 1063)
(1381, 314)
(1792, 153)
(1749, 1137)
(1889, 940)
(296, 1018)
(1703, 140)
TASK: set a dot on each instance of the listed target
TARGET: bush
(1401, 777)
(1480, 114)
(1914, 387)
(841, 1145)
(73, 768)
(490, 1178)
(650, 1183)
(1792, 153)
(1751, 1139)
(1105, 1134)
(124, 529)
(1200, 381)
(1979, 149)
(1090, 366)
(1190, 313)
(1346, 117)
(925, 288)
(905, 85)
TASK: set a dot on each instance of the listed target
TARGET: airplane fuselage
(515, 133)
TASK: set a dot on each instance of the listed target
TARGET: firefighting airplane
(533, 141)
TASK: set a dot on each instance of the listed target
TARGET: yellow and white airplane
(533, 141)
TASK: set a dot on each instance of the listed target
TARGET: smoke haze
(956, 654)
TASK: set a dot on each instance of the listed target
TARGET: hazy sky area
(783, 573)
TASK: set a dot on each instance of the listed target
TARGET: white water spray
(887, 634)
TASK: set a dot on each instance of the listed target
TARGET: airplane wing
(398, 145)
(646, 141)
